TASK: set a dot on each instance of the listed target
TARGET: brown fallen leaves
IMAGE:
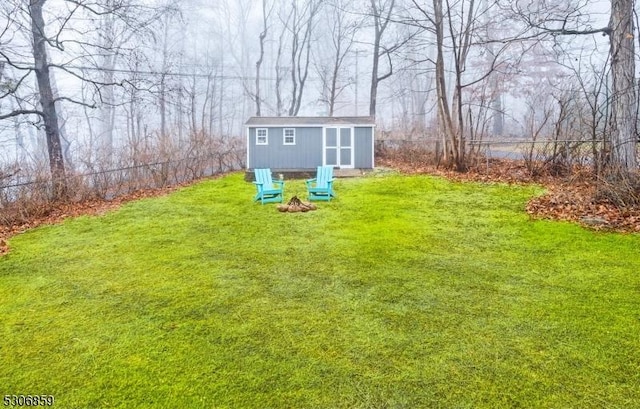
(577, 204)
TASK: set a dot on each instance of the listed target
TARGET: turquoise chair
(269, 190)
(321, 187)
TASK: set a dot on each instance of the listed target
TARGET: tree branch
(75, 102)
(20, 112)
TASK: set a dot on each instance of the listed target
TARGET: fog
(130, 72)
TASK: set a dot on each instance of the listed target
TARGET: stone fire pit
(296, 205)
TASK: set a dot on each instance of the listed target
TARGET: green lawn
(406, 292)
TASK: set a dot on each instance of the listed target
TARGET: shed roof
(309, 120)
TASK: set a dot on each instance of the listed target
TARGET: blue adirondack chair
(269, 190)
(321, 187)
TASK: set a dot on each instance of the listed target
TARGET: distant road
(503, 152)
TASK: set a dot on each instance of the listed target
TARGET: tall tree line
(152, 72)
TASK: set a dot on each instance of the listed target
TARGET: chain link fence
(26, 191)
(538, 155)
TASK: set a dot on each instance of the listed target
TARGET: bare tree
(237, 15)
(341, 30)
(301, 30)
(113, 40)
(459, 33)
(624, 109)
(47, 101)
(61, 38)
(262, 37)
(590, 77)
(381, 12)
(162, 97)
(574, 18)
(107, 110)
(279, 71)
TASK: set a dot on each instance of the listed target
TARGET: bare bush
(619, 187)
(27, 192)
(412, 152)
(556, 157)
(562, 136)
(22, 200)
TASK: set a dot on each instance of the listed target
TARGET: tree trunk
(261, 37)
(381, 22)
(294, 53)
(304, 72)
(375, 63)
(278, 85)
(373, 93)
(624, 104)
(49, 114)
(107, 110)
(193, 93)
(444, 114)
(163, 80)
(334, 79)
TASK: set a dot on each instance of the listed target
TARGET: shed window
(289, 136)
(262, 137)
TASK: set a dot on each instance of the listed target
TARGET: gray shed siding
(363, 143)
(305, 154)
(309, 150)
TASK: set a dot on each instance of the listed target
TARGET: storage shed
(292, 144)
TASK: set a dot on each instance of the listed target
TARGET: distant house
(303, 143)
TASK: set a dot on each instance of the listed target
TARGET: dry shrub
(411, 152)
(25, 192)
(555, 158)
(20, 204)
(619, 187)
(155, 163)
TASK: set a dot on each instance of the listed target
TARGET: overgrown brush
(26, 191)
(411, 152)
(620, 187)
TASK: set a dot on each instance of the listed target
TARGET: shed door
(338, 147)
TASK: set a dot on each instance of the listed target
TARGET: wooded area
(115, 84)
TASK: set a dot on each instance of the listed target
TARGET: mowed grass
(406, 292)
